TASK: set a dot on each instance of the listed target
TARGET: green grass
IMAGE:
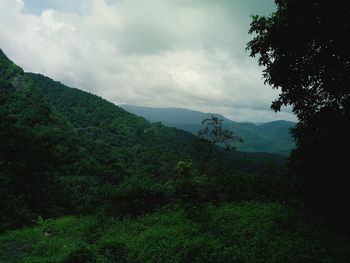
(242, 232)
(51, 242)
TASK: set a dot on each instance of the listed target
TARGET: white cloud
(162, 53)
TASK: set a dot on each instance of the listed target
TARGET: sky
(158, 53)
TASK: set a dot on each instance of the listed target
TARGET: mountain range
(67, 151)
(272, 137)
(83, 180)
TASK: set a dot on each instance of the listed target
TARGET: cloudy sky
(158, 53)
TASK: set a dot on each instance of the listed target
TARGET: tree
(304, 49)
(213, 134)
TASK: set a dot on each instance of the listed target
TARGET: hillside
(273, 137)
(65, 151)
(81, 147)
(82, 180)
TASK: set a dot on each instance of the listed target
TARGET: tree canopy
(64, 151)
(304, 49)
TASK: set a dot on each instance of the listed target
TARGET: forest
(83, 180)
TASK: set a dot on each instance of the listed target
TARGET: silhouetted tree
(304, 49)
(213, 134)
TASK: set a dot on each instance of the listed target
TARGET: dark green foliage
(303, 47)
(216, 134)
(43, 161)
(157, 148)
(65, 240)
(8, 70)
(65, 151)
(125, 134)
(26, 154)
(305, 50)
(136, 195)
(246, 232)
(138, 190)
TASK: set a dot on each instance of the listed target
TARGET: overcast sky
(158, 53)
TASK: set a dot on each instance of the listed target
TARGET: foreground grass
(245, 232)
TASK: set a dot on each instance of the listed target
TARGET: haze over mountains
(83, 180)
(273, 137)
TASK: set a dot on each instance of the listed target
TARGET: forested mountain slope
(83, 180)
(68, 156)
(68, 151)
(96, 118)
(273, 137)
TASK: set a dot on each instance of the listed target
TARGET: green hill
(68, 151)
(65, 151)
(82, 180)
(273, 137)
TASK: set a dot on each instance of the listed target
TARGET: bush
(56, 241)
(135, 195)
(243, 232)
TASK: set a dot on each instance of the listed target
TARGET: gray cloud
(68, 6)
(166, 53)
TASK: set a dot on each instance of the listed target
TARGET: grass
(241, 232)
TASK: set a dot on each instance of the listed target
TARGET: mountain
(66, 151)
(273, 137)
(169, 115)
(82, 180)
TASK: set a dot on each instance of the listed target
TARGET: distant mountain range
(272, 137)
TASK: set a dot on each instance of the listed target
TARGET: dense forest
(82, 180)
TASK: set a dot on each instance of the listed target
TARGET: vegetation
(82, 180)
(65, 151)
(245, 232)
(304, 50)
